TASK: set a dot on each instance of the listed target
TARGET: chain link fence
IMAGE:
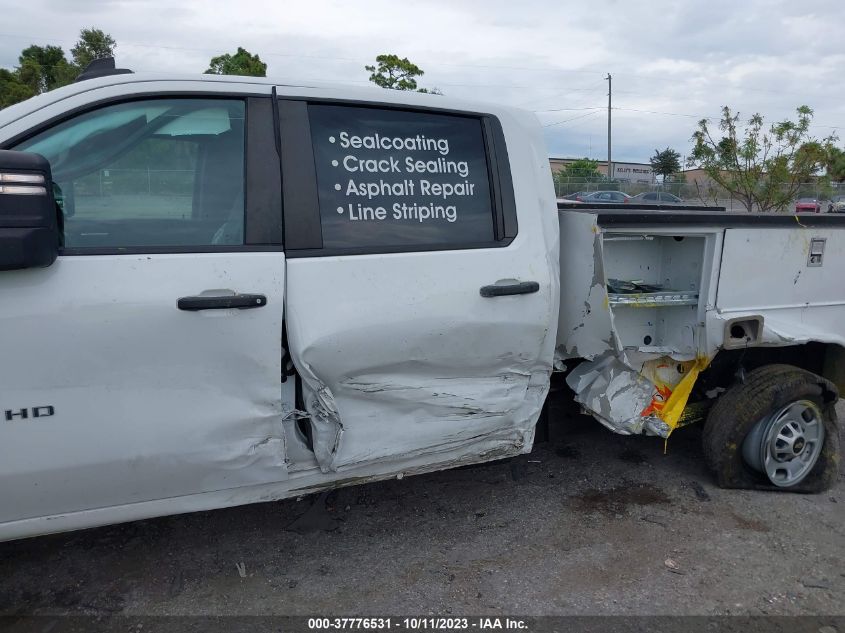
(145, 181)
(695, 193)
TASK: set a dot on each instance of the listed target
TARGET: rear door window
(395, 178)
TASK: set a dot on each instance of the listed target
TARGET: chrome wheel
(786, 445)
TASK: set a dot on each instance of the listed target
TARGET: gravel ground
(588, 523)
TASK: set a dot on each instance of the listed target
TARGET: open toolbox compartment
(654, 287)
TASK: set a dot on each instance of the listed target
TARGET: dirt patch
(617, 500)
(700, 493)
(753, 525)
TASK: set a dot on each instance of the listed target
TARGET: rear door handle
(224, 302)
(519, 288)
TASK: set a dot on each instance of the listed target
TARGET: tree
(43, 68)
(665, 163)
(835, 164)
(93, 44)
(573, 176)
(582, 169)
(12, 89)
(241, 63)
(761, 166)
(397, 73)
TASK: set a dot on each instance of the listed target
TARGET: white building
(640, 173)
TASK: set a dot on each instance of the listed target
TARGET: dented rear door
(422, 280)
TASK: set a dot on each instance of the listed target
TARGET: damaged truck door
(421, 283)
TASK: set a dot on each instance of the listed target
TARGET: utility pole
(609, 158)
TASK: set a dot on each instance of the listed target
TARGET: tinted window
(395, 178)
(166, 172)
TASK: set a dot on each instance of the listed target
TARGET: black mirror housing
(29, 232)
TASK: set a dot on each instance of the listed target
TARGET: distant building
(696, 176)
(697, 181)
(640, 173)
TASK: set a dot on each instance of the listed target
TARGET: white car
(836, 204)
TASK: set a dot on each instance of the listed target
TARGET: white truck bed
(655, 296)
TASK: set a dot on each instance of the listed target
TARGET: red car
(808, 205)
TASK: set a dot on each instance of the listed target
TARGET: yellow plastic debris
(674, 407)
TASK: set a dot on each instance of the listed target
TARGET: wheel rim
(786, 445)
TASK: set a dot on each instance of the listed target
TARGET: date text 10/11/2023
(426, 623)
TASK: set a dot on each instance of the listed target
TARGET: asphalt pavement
(588, 523)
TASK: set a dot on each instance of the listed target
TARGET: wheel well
(824, 359)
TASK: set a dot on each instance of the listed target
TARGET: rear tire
(745, 417)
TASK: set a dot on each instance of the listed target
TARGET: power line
(586, 88)
(655, 112)
(568, 109)
(572, 119)
(579, 123)
(705, 116)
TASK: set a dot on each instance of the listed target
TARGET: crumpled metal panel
(371, 412)
(617, 396)
(585, 327)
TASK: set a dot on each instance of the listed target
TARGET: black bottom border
(486, 624)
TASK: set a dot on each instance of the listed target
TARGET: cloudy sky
(672, 62)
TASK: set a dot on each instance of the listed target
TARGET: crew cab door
(422, 281)
(145, 362)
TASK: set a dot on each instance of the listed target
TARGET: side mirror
(29, 234)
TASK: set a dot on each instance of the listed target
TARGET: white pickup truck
(222, 290)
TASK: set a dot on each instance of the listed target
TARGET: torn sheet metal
(326, 427)
(585, 328)
(617, 396)
(440, 414)
(649, 401)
